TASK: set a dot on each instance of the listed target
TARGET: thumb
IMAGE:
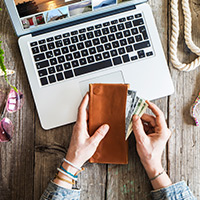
(138, 129)
(99, 134)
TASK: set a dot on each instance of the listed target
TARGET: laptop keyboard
(93, 48)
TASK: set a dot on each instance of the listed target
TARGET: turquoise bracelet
(61, 167)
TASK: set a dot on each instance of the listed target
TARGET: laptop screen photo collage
(35, 13)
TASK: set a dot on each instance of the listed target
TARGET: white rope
(187, 35)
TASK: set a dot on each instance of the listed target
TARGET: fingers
(99, 134)
(149, 118)
(138, 129)
(82, 111)
(160, 119)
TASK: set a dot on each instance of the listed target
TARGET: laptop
(68, 44)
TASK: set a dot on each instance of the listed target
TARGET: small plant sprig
(3, 68)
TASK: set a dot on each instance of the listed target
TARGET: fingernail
(106, 127)
(135, 118)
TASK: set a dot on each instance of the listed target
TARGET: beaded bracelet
(151, 179)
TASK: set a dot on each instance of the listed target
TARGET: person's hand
(151, 133)
(82, 146)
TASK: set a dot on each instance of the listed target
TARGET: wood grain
(30, 160)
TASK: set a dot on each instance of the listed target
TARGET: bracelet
(151, 179)
(62, 179)
(60, 170)
(78, 168)
(75, 176)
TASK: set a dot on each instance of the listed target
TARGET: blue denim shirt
(177, 191)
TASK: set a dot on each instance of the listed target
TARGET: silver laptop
(67, 44)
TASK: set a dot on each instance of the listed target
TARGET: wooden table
(29, 161)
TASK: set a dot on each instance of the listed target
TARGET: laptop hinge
(71, 23)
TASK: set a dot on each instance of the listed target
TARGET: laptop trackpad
(116, 77)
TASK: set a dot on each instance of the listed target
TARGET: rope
(187, 36)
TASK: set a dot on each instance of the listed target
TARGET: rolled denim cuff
(177, 191)
(56, 192)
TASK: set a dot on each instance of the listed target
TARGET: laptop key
(98, 26)
(119, 35)
(100, 48)
(128, 24)
(134, 31)
(67, 65)
(115, 44)
(141, 54)
(98, 57)
(96, 41)
(39, 57)
(138, 22)
(41, 41)
(84, 52)
(97, 33)
(142, 30)
(83, 30)
(92, 50)
(90, 59)
(113, 29)
(80, 45)
(125, 58)
(43, 48)
(59, 68)
(57, 37)
(75, 63)
(134, 58)
(111, 37)
(51, 70)
(69, 57)
(44, 81)
(131, 40)
(121, 27)
(66, 41)
(35, 50)
(129, 48)
(72, 47)
(106, 55)
(57, 52)
(74, 32)
(103, 39)
(105, 31)
(121, 50)
(82, 37)
(142, 45)
(130, 17)
(114, 53)
(117, 61)
(138, 38)
(60, 76)
(149, 53)
(122, 19)
(82, 61)
(42, 72)
(138, 15)
(88, 43)
(61, 59)
(74, 39)
(90, 35)
(33, 44)
(68, 74)
(51, 46)
(49, 54)
(50, 39)
(77, 54)
(90, 28)
(65, 50)
(107, 46)
(59, 43)
(66, 35)
(52, 79)
(127, 33)
(106, 24)
(123, 42)
(53, 61)
(93, 67)
(114, 21)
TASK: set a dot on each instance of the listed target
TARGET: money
(136, 106)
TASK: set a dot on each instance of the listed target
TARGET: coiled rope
(187, 36)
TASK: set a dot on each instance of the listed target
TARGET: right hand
(151, 133)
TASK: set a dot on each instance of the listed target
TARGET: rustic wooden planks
(30, 160)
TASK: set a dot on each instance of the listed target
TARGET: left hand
(82, 146)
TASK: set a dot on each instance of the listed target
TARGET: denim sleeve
(177, 191)
(55, 192)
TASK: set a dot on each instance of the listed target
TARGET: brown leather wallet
(107, 105)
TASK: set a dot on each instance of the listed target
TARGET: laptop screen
(35, 13)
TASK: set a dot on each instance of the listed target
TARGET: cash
(134, 105)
